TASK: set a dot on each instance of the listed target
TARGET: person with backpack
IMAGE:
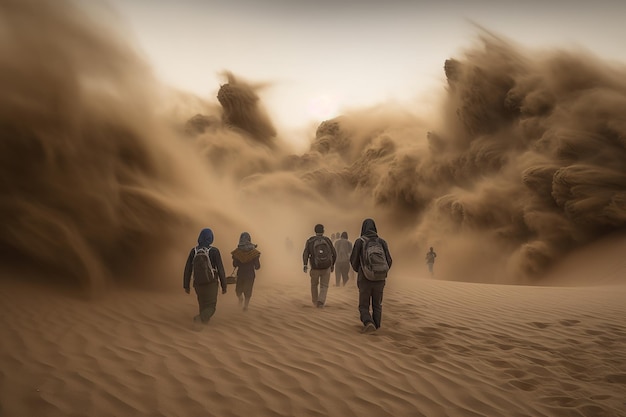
(204, 265)
(246, 261)
(371, 260)
(319, 250)
(343, 247)
(430, 260)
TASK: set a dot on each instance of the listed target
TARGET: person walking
(343, 247)
(320, 252)
(246, 261)
(430, 260)
(204, 265)
(371, 259)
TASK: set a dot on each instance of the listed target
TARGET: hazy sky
(318, 57)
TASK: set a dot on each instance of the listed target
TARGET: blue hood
(206, 238)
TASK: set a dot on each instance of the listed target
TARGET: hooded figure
(430, 259)
(205, 238)
(245, 248)
(368, 228)
(206, 287)
(343, 247)
(246, 261)
(370, 292)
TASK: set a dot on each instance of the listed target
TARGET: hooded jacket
(205, 239)
(368, 230)
(246, 257)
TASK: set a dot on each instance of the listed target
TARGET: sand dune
(445, 349)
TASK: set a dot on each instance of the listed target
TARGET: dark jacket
(204, 240)
(308, 251)
(368, 230)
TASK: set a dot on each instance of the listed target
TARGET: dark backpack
(203, 272)
(321, 254)
(373, 260)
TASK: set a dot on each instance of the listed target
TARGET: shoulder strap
(198, 248)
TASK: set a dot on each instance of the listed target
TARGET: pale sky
(321, 56)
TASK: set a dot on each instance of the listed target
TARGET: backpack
(203, 271)
(322, 254)
(373, 260)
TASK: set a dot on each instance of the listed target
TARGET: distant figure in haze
(332, 238)
(319, 250)
(371, 260)
(343, 247)
(337, 237)
(204, 265)
(430, 260)
(246, 260)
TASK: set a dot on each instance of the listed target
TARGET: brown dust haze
(106, 176)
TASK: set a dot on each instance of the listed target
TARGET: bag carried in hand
(232, 278)
(203, 271)
(322, 257)
(373, 260)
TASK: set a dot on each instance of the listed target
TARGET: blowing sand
(445, 349)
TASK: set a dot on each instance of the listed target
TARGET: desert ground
(444, 349)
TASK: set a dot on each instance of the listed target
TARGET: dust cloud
(107, 176)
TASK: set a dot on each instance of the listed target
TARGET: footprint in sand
(499, 363)
(595, 411)
(449, 326)
(569, 387)
(427, 358)
(562, 401)
(515, 373)
(458, 348)
(539, 325)
(569, 322)
(616, 378)
(529, 385)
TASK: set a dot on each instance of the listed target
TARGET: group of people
(369, 257)
(204, 265)
(325, 257)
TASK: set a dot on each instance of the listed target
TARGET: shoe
(320, 304)
(369, 328)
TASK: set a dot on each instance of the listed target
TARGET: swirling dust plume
(107, 175)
